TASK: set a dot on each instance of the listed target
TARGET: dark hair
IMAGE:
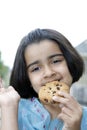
(19, 78)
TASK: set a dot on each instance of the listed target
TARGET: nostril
(51, 74)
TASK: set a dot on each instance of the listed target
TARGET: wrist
(9, 104)
(9, 117)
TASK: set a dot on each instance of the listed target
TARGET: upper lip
(50, 81)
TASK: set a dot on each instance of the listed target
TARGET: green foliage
(4, 71)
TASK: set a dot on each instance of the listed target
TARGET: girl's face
(46, 63)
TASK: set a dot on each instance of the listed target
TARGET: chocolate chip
(54, 92)
(60, 85)
(57, 84)
(53, 102)
(46, 100)
(58, 88)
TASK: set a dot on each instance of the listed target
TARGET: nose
(48, 72)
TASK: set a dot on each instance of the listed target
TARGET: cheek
(64, 72)
(67, 76)
(35, 81)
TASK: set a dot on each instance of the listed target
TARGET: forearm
(9, 118)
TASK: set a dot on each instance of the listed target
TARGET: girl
(44, 55)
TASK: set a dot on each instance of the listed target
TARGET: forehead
(42, 49)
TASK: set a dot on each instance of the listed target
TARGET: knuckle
(63, 109)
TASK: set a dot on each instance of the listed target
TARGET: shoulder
(27, 104)
(26, 111)
(32, 114)
(84, 119)
(84, 111)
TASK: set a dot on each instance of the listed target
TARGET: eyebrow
(59, 54)
(36, 62)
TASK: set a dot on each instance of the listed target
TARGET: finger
(66, 99)
(61, 105)
(77, 113)
(70, 108)
(63, 94)
(2, 90)
(61, 100)
(65, 117)
(67, 111)
(10, 88)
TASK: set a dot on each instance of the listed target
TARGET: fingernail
(54, 97)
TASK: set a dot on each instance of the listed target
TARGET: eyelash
(56, 61)
(35, 69)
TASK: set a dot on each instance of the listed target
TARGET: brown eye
(36, 69)
(55, 61)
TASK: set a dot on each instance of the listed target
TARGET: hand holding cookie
(51, 89)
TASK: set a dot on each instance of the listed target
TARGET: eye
(55, 61)
(35, 69)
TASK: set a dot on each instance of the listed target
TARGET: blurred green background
(4, 72)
